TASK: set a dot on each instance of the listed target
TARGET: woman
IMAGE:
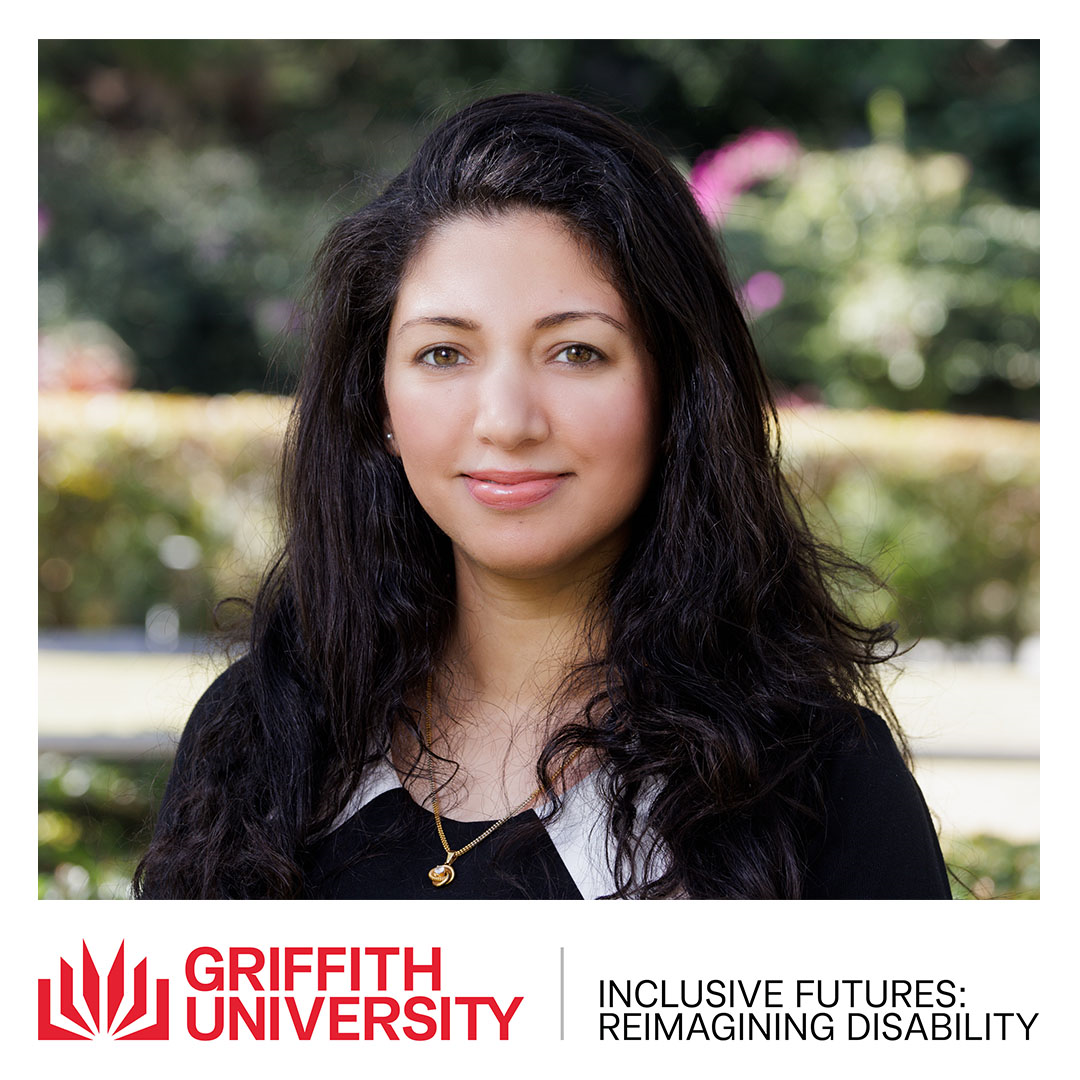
(547, 623)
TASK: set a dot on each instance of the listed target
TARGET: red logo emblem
(87, 1019)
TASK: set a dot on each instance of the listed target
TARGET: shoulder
(877, 840)
(208, 732)
(223, 692)
(865, 764)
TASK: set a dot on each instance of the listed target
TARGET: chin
(535, 564)
(521, 567)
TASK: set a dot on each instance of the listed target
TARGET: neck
(512, 645)
(515, 639)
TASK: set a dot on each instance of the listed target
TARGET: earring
(389, 436)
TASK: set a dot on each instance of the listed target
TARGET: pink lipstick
(502, 489)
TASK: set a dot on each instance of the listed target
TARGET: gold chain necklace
(443, 874)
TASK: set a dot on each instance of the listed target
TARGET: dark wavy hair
(728, 665)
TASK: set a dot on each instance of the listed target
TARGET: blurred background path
(973, 723)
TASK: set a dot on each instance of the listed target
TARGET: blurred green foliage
(902, 285)
(103, 533)
(990, 868)
(944, 508)
(160, 502)
(94, 821)
(153, 504)
(95, 817)
(185, 184)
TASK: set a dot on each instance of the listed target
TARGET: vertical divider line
(562, 993)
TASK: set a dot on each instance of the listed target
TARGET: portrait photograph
(538, 469)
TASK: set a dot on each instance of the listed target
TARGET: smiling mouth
(505, 490)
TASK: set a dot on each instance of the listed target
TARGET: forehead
(507, 262)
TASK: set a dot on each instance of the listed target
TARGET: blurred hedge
(945, 508)
(150, 502)
(152, 507)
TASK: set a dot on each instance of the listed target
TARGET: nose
(510, 411)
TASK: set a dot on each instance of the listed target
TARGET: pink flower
(719, 176)
(763, 291)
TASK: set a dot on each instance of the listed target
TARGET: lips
(502, 489)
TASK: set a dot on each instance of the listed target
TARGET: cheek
(622, 435)
(424, 429)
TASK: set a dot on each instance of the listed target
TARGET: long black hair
(728, 665)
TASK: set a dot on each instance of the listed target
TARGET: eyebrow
(544, 323)
(440, 320)
(572, 316)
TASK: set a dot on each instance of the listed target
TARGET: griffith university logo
(121, 1015)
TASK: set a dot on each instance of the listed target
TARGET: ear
(387, 427)
(388, 438)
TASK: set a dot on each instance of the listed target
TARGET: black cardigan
(877, 841)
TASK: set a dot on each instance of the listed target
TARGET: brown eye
(580, 354)
(441, 356)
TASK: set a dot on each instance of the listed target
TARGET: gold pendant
(442, 874)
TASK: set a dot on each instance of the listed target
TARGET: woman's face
(520, 396)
